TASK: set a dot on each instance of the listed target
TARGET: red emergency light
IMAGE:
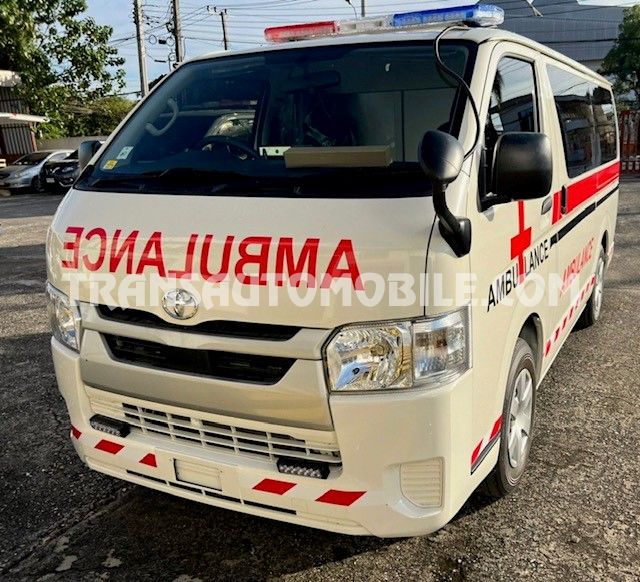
(298, 31)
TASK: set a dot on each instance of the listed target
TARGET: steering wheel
(230, 143)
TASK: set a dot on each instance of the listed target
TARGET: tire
(592, 309)
(36, 184)
(518, 416)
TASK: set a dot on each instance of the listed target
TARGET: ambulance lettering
(576, 265)
(250, 260)
(528, 260)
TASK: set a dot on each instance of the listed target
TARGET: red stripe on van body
(583, 189)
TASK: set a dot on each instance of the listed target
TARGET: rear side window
(587, 121)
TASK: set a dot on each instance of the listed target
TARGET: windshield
(31, 159)
(72, 156)
(289, 121)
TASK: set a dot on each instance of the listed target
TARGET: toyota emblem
(179, 304)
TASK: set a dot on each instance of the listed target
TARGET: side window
(587, 121)
(513, 107)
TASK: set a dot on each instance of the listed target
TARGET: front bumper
(404, 469)
(16, 184)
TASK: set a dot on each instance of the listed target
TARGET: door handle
(564, 200)
(546, 205)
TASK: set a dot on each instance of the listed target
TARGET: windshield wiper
(200, 180)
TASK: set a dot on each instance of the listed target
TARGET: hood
(60, 164)
(290, 261)
(13, 169)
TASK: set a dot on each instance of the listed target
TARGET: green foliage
(623, 60)
(62, 57)
(101, 116)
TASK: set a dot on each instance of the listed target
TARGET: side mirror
(86, 151)
(522, 166)
(441, 157)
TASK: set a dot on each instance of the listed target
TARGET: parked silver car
(24, 173)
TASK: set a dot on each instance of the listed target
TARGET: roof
(9, 78)
(19, 118)
(478, 35)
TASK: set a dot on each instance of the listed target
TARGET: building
(17, 135)
(586, 33)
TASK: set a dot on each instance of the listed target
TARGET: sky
(246, 20)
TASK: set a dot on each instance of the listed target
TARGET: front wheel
(517, 423)
(36, 184)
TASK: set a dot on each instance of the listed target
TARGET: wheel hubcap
(597, 292)
(520, 413)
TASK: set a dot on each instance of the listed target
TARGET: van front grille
(256, 369)
(235, 329)
(225, 437)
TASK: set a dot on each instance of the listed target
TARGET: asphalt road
(577, 515)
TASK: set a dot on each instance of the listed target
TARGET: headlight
(399, 355)
(19, 174)
(65, 318)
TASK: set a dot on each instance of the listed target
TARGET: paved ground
(576, 517)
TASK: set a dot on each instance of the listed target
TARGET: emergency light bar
(473, 15)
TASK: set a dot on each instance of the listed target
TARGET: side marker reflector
(150, 460)
(344, 498)
(109, 447)
(274, 486)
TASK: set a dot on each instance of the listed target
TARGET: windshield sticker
(124, 153)
(110, 164)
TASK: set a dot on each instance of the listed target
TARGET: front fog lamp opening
(303, 468)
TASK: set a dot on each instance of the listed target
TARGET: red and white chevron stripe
(567, 321)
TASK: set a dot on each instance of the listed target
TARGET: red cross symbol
(521, 241)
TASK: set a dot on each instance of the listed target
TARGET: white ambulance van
(322, 280)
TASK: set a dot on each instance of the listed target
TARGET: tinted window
(512, 107)
(31, 159)
(587, 121)
(231, 118)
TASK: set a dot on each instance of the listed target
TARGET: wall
(66, 143)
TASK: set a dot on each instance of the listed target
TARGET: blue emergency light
(473, 15)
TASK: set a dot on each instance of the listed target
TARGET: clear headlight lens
(399, 355)
(371, 357)
(64, 316)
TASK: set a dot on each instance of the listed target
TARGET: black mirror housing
(441, 156)
(522, 166)
(86, 151)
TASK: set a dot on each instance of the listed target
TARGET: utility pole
(363, 8)
(142, 55)
(177, 31)
(225, 40)
(223, 20)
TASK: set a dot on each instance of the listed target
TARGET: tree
(623, 60)
(100, 117)
(62, 57)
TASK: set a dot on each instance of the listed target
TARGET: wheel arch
(532, 332)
